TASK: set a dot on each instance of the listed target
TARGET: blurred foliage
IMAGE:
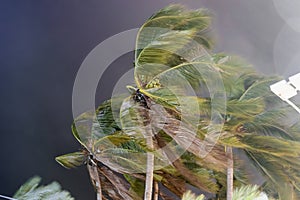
(190, 196)
(249, 192)
(32, 191)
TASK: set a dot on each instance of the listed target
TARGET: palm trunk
(150, 169)
(156, 191)
(229, 173)
(94, 175)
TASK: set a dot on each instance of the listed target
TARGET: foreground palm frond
(32, 191)
(249, 192)
(190, 196)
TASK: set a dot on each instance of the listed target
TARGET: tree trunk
(156, 191)
(94, 175)
(150, 169)
(229, 173)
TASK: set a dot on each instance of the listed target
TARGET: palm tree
(193, 117)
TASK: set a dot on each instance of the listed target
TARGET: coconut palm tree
(194, 118)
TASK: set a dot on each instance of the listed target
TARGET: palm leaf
(249, 192)
(190, 196)
(162, 40)
(260, 88)
(32, 191)
(72, 160)
(277, 173)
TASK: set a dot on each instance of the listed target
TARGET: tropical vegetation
(195, 118)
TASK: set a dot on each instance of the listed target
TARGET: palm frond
(162, 40)
(72, 160)
(190, 196)
(248, 192)
(32, 191)
(260, 88)
(271, 145)
(278, 173)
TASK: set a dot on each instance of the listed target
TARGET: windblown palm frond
(163, 40)
(190, 196)
(249, 192)
(32, 191)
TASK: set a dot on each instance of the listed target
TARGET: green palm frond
(190, 196)
(260, 88)
(295, 129)
(206, 177)
(279, 172)
(72, 160)
(271, 145)
(93, 125)
(248, 192)
(32, 191)
(176, 18)
(162, 40)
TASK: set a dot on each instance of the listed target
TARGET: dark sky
(43, 43)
